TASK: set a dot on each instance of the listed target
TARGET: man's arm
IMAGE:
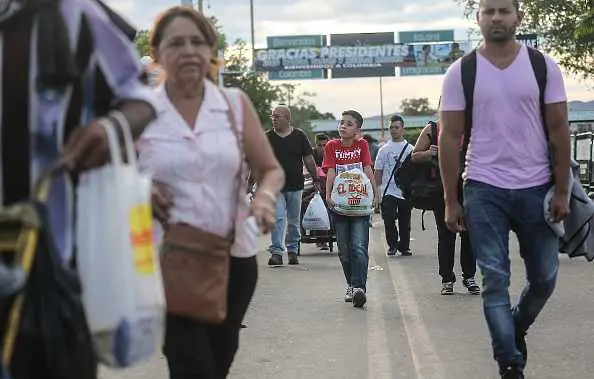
(452, 130)
(379, 166)
(118, 59)
(330, 176)
(308, 158)
(310, 165)
(369, 172)
(558, 128)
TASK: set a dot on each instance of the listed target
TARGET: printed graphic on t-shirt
(340, 168)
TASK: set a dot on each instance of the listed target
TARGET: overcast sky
(298, 17)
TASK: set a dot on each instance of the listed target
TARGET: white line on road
(378, 353)
(425, 359)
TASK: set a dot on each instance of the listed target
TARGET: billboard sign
(364, 55)
(424, 36)
(433, 59)
(292, 42)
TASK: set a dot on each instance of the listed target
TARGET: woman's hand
(264, 210)
(161, 201)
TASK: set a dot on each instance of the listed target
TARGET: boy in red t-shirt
(352, 232)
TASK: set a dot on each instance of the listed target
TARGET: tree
(143, 43)
(254, 84)
(565, 26)
(416, 107)
(144, 47)
(303, 112)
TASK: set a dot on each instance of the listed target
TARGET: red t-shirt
(345, 158)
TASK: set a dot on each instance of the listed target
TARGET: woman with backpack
(426, 151)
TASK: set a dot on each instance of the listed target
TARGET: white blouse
(199, 166)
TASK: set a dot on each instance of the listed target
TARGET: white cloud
(290, 17)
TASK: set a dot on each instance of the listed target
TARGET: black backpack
(468, 67)
(420, 182)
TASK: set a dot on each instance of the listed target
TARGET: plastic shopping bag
(316, 215)
(352, 194)
(117, 260)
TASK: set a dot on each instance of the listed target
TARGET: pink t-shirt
(508, 147)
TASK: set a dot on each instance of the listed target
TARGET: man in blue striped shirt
(65, 63)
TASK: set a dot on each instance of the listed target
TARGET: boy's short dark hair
(395, 118)
(354, 114)
(322, 137)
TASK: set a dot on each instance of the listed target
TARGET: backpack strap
(539, 66)
(433, 136)
(468, 68)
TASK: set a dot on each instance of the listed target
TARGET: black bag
(44, 330)
(420, 182)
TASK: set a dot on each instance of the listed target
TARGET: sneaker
(511, 372)
(359, 298)
(471, 286)
(275, 260)
(447, 288)
(392, 252)
(293, 260)
(348, 296)
(406, 253)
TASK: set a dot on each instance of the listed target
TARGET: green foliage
(566, 28)
(143, 43)
(416, 107)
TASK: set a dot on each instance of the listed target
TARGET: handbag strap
(238, 177)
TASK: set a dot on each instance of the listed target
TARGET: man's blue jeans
(288, 213)
(491, 213)
(352, 238)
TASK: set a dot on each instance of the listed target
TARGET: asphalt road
(300, 328)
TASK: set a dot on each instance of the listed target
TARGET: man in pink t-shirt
(507, 174)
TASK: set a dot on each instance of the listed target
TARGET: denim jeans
(288, 213)
(491, 213)
(352, 238)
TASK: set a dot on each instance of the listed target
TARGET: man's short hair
(395, 118)
(354, 114)
(515, 3)
(322, 137)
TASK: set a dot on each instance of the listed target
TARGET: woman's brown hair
(202, 23)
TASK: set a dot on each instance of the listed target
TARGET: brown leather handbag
(195, 263)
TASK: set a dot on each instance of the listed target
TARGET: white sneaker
(348, 296)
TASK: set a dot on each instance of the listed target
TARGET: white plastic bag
(117, 260)
(316, 215)
(352, 194)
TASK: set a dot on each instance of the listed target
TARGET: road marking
(378, 353)
(426, 361)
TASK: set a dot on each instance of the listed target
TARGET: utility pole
(381, 89)
(201, 6)
(253, 34)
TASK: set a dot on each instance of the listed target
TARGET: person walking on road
(352, 232)
(293, 150)
(426, 150)
(195, 152)
(394, 206)
(508, 173)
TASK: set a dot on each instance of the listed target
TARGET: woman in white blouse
(193, 155)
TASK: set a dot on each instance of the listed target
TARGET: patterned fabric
(37, 121)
